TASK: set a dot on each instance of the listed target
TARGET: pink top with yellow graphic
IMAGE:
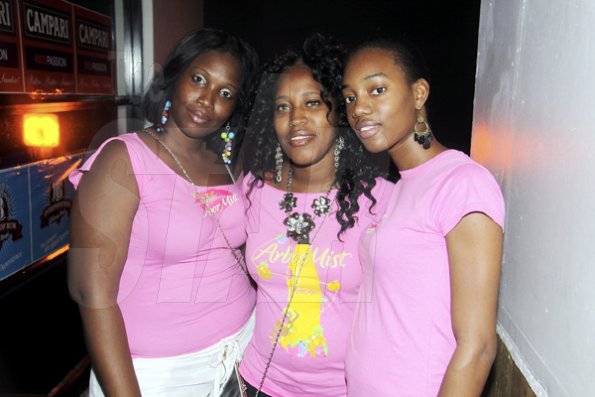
(181, 289)
(310, 354)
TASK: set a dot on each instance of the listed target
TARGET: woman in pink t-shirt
(153, 260)
(310, 193)
(425, 324)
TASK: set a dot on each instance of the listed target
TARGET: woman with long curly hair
(310, 192)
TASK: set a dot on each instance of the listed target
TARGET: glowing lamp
(41, 130)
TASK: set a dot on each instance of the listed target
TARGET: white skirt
(199, 374)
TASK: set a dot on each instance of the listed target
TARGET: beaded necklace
(299, 225)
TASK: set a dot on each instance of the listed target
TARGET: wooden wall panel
(506, 380)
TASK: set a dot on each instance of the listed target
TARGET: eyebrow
(368, 77)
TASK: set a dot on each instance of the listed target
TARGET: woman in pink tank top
(425, 324)
(156, 224)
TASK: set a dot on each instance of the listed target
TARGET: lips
(301, 138)
(199, 117)
(367, 128)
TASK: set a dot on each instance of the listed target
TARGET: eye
(227, 94)
(349, 99)
(378, 90)
(312, 103)
(282, 107)
(199, 79)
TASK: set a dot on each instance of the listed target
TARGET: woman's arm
(475, 256)
(101, 222)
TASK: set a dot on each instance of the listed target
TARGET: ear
(421, 92)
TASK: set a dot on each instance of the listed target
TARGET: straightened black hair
(188, 48)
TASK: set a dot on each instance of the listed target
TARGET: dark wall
(41, 340)
(170, 24)
(445, 31)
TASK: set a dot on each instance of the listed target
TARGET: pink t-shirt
(402, 338)
(309, 360)
(181, 289)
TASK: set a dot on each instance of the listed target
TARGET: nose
(360, 108)
(205, 98)
(297, 117)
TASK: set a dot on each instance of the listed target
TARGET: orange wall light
(41, 130)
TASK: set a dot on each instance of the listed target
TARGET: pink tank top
(181, 289)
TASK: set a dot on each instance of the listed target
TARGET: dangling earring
(278, 163)
(425, 136)
(227, 137)
(164, 116)
(339, 146)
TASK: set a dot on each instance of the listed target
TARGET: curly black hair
(356, 174)
(188, 48)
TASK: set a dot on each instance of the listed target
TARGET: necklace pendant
(321, 205)
(288, 203)
(299, 227)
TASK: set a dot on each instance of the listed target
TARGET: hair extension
(356, 175)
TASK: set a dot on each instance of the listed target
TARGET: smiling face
(205, 94)
(303, 128)
(381, 103)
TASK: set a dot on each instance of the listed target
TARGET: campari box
(51, 200)
(15, 220)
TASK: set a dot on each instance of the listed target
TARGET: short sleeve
(468, 188)
(76, 175)
(133, 148)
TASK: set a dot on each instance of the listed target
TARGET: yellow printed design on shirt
(302, 328)
(302, 333)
